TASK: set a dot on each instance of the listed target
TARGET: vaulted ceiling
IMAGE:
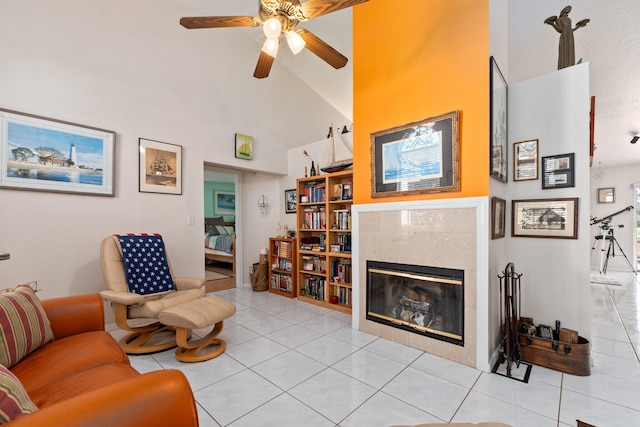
(609, 43)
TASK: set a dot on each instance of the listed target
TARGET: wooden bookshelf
(283, 267)
(324, 240)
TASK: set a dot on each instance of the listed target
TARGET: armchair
(137, 313)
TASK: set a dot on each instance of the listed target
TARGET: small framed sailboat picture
(160, 167)
(244, 146)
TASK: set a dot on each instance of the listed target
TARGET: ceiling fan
(280, 17)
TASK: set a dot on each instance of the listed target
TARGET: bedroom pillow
(229, 229)
(212, 222)
(24, 325)
(221, 230)
(14, 401)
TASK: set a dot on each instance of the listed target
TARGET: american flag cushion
(145, 264)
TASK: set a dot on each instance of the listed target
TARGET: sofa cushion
(68, 355)
(81, 382)
(14, 401)
(24, 325)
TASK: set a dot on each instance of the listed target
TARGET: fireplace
(425, 300)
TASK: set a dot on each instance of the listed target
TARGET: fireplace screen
(420, 299)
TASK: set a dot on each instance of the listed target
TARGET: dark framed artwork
(606, 195)
(244, 147)
(498, 122)
(558, 171)
(160, 167)
(416, 158)
(550, 218)
(290, 201)
(42, 154)
(498, 209)
(525, 160)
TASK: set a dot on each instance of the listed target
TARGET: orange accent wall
(415, 59)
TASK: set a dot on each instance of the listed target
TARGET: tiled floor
(290, 364)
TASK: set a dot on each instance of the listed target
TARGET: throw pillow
(221, 230)
(14, 401)
(145, 264)
(24, 325)
(229, 229)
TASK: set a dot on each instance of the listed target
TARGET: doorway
(223, 226)
(636, 247)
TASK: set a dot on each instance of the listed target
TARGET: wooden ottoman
(198, 314)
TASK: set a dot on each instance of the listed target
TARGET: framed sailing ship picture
(244, 146)
(160, 167)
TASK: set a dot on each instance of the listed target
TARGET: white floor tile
(294, 336)
(434, 395)
(398, 352)
(327, 350)
(370, 368)
(332, 394)
(235, 396)
(577, 406)
(619, 391)
(384, 410)
(284, 410)
(258, 350)
(478, 407)
(446, 369)
(289, 369)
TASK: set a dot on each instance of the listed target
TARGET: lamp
(599, 175)
(263, 204)
(295, 42)
(270, 47)
(272, 28)
(4, 255)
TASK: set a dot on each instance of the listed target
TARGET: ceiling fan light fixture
(272, 28)
(295, 42)
(271, 46)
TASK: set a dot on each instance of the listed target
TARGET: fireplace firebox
(420, 299)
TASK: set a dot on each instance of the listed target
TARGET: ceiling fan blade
(263, 67)
(314, 8)
(219, 21)
(322, 49)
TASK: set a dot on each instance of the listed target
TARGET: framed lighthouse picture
(43, 154)
(160, 167)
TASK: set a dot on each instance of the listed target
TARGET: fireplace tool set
(607, 240)
(510, 305)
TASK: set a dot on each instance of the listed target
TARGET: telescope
(607, 218)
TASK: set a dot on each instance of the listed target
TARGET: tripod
(606, 238)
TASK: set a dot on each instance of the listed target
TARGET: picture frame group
(43, 154)
(416, 158)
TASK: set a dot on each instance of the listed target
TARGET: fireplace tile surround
(443, 233)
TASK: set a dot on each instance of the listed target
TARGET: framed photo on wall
(224, 202)
(606, 195)
(416, 158)
(558, 171)
(498, 122)
(498, 208)
(551, 218)
(290, 201)
(525, 160)
(160, 167)
(42, 154)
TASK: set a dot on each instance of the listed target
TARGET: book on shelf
(313, 286)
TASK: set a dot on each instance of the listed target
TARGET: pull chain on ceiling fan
(280, 17)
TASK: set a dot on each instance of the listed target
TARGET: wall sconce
(4, 255)
(634, 138)
(263, 204)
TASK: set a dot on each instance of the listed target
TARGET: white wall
(621, 178)
(554, 109)
(130, 67)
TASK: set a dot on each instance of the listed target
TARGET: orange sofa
(83, 377)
